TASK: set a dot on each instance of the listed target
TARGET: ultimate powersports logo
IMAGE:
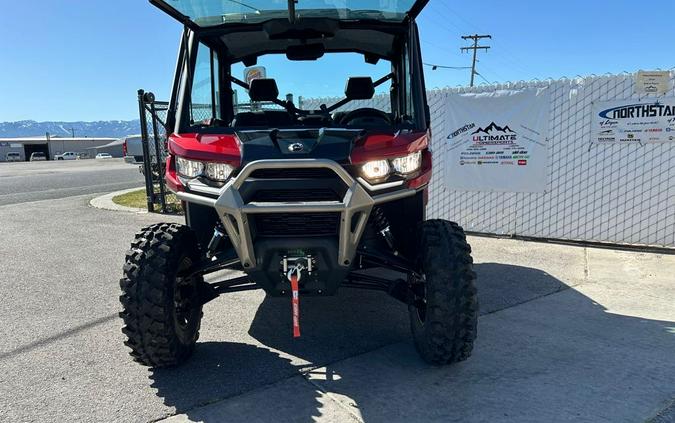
(636, 111)
(494, 134)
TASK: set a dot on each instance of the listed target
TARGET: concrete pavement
(603, 351)
(31, 181)
(106, 202)
(566, 333)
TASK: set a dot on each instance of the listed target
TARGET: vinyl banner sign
(497, 141)
(634, 121)
(655, 82)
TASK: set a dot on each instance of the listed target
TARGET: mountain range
(492, 127)
(103, 128)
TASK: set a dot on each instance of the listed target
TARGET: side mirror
(249, 61)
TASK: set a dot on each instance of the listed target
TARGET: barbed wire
(552, 79)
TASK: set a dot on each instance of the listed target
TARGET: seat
(262, 119)
(264, 89)
(278, 118)
(247, 119)
(360, 88)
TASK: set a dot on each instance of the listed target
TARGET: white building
(52, 145)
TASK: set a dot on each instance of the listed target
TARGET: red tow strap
(295, 303)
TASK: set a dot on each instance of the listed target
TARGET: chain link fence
(380, 102)
(615, 193)
(153, 115)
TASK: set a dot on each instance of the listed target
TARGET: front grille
(297, 224)
(294, 173)
(287, 195)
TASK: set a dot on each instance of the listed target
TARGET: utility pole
(475, 47)
(72, 131)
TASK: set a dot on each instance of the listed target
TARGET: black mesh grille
(286, 195)
(293, 173)
(297, 224)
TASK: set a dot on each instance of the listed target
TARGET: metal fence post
(159, 158)
(149, 188)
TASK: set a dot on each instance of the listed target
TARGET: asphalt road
(31, 181)
(548, 349)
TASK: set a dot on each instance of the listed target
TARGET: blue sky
(84, 60)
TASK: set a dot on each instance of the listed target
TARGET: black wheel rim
(420, 290)
(185, 302)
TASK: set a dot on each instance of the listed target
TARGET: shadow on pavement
(356, 322)
(59, 336)
(219, 370)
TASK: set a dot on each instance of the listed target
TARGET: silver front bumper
(354, 208)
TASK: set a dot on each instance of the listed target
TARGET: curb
(105, 202)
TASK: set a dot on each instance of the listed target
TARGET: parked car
(68, 155)
(132, 149)
(13, 157)
(103, 156)
(38, 156)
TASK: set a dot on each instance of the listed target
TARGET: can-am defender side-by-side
(302, 200)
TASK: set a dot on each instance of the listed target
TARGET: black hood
(321, 143)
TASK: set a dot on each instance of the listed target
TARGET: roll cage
(394, 41)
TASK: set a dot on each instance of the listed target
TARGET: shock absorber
(218, 235)
(382, 226)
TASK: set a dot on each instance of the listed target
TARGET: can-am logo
(494, 134)
(296, 147)
(634, 111)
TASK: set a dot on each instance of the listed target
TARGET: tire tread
(147, 294)
(450, 326)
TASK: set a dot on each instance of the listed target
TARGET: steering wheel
(366, 113)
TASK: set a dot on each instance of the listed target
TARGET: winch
(292, 269)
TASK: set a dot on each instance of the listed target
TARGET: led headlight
(376, 169)
(189, 168)
(218, 171)
(408, 164)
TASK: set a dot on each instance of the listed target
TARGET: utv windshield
(323, 81)
(206, 13)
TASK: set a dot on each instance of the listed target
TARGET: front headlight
(408, 164)
(218, 171)
(189, 168)
(376, 169)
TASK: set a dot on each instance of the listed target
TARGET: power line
(503, 54)
(483, 78)
(443, 23)
(437, 46)
(434, 67)
(475, 47)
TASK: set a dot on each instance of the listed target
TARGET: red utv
(302, 198)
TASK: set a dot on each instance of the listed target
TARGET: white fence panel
(611, 193)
